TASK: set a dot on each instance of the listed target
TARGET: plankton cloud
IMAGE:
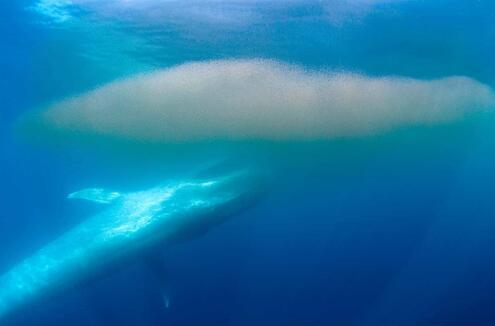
(259, 99)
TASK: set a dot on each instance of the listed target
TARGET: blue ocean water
(394, 228)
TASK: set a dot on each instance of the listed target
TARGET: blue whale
(132, 226)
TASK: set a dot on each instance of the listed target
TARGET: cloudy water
(247, 162)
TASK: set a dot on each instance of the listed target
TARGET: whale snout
(245, 188)
(242, 183)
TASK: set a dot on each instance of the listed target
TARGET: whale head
(197, 205)
(177, 209)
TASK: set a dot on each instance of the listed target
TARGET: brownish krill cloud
(258, 99)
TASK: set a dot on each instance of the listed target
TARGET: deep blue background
(395, 229)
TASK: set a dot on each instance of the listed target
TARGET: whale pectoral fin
(157, 267)
(97, 195)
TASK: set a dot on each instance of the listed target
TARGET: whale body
(133, 224)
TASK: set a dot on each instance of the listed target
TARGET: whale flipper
(97, 195)
(159, 271)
